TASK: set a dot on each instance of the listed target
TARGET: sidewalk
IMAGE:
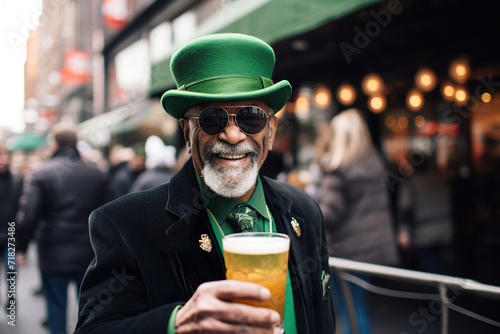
(30, 309)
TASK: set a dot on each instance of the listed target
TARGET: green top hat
(223, 67)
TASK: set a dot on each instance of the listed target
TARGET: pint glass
(260, 258)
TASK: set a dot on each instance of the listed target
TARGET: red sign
(76, 68)
(115, 13)
(50, 115)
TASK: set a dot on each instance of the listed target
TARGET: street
(30, 309)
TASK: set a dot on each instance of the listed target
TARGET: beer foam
(256, 245)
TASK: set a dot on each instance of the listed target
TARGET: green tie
(243, 217)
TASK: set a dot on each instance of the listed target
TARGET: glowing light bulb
(377, 104)
(302, 103)
(448, 91)
(322, 97)
(486, 97)
(403, 122)
(390, 121)
(346, 94)
(419, 121)
(425, 79)
(372, 84)
(459, 70)
(414, 100)
(461, 95)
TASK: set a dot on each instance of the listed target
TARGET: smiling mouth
(232, 156)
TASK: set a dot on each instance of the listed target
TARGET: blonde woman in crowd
(355, 205)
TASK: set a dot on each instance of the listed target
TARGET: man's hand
(211, 310)
(404, 240)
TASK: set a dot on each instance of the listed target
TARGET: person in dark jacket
(56, 201)
(159, 266)
(355, 204)
(121, 181)
(10, 191)
(425, 217)
(160, 159)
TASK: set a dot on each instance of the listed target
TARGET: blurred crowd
(50, 196)
(48, 200)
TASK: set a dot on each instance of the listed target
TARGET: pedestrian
(425, 217)
(57, 199)
(355, 205)
(124, 176)
(160, 159)
(10, 191)
(154, 271)
(118, 158)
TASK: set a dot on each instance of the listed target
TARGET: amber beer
(260, 258)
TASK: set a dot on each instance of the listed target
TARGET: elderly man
(153, 271)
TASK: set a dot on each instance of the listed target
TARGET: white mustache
(222, 148)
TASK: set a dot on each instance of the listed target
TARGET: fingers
(212, 326)
(212, 310)
(239, 290)
(231, 290)
(238, 313)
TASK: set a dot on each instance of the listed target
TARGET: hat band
(228, 84)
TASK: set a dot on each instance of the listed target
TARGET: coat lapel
(185, 202)
(281, 210)
(198, 265)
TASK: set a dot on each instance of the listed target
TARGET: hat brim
(177, 102)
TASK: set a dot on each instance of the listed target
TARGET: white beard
(230, 182)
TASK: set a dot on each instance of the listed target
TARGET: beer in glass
(261, 258)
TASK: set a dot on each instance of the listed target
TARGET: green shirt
(220, 207)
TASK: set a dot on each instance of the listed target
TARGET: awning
(270, 20)
(26, 142)
(97, 131)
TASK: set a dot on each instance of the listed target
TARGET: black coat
(148, 258)
(150, 178)
(56, 202)
(10, 191)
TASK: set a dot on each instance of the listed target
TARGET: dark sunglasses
(250, 119)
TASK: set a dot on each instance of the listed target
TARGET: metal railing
(341, 266)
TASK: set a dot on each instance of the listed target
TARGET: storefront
(425, 74)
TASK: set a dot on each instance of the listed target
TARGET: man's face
(229, 161)
(138, 162)
(4, 161)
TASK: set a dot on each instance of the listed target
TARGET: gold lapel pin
(205, 243)
(296, 227)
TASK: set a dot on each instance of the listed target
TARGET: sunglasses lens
(251, 120)
(213, 120)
